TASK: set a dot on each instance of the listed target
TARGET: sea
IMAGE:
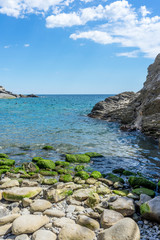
(28, 124)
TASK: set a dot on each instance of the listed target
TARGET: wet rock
(28, 224)
(125, 229)
(109, 218)
(87, 222)
(76, 232)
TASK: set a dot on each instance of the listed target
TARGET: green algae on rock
(93, 154)
(30, 167)
(122, 193)
(79, 168)
(48, 173)
(93, 199)
(141, 182)
(47, 147)
(49, 181)
(6, 161)
(65, 178)
(45, 163)
(81, 158)
(96, 174)
(118, 170)
(82, 174)
(147, 191)
(128, 173)
(62, 163)
(3, 155)
(36, 159)
(114, 178)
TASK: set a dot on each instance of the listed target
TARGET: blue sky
(77, 46)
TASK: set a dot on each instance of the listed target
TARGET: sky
(77, 46)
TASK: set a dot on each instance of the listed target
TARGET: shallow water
(61, 121)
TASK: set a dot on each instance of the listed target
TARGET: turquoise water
(26, 125)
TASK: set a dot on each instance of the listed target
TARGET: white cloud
(7, 46)
(27, 45)
(132, 54)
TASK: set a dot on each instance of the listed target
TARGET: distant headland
(4, 94)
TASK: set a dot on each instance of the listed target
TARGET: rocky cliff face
(135, 110)
(6, 94)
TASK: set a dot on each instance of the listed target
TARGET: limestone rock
(9, 184)
(62, 222)
(16, 193)
(40, 205)
(151, 209)
(87, 222)
(5, 229)
(54, 213)
(28, 224)
(109, 218)
(44, 235)
(26, 202)
(75, 232)
(82, 194)
(8, 219)
(125, 229)
(55, 195)
(22, 237)
(123, 205)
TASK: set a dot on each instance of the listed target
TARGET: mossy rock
(114, 178)
(93, 200)
(118, 170)
(122, 193)
(48, 173)
(65, 178)
(18, 170)
(81, 158)
(5, 167)
(36, 159)
(159, 186)
(3, 155)
(96, 174)
(49, 181)
(62, 163)
(30, 167)
(6, 161)
(128, 173)
(46, 164)
(93, 154)
(3, 171)
(82, 174)
(63, 171)
(147, 191)
(144, 209)
(47, 147)
(79, 168)
(141, 182)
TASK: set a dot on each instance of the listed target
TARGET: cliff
(135, 111)
(4, 94)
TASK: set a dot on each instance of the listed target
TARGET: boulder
(109, 218)
(17, 194)
(82, 194)
(44, 235)
(40, 205)
(9, 184)
(87, 222)
(123, 205)
(28, 224)
(55, 195)
(75, 232)
(151, 209)
(125, 229)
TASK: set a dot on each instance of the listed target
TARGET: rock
(22, 237)
(92, 200)
(65, 178)
(122, 193)
(28, 224)
(83, 175)
(28, 183)
(87, 222)
(61, 222)
(146, 191)
(9, 184)
(54, 213)
(93, 154)
(141, 182)
(40, 205)
(30, 167)
(114, 178)
(44, 235)
(125, 229)
(6, 94)
(123, 205)
(46, 164)
(49, 181)
(75, 232)
(82, 194)
(91, 181)
(3, 211)
(151, 209)
(17, 194)
(109, 218)
(135, 110)
(5, 229)
(8, 219)
(80, 158)
(143, 198)
(26, 202)
(55, 195)
(96, 174)
(103, 190)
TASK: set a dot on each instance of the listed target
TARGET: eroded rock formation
(6, 94)
(139, 110)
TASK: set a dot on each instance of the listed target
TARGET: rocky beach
(135, 111)
(62, 200)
